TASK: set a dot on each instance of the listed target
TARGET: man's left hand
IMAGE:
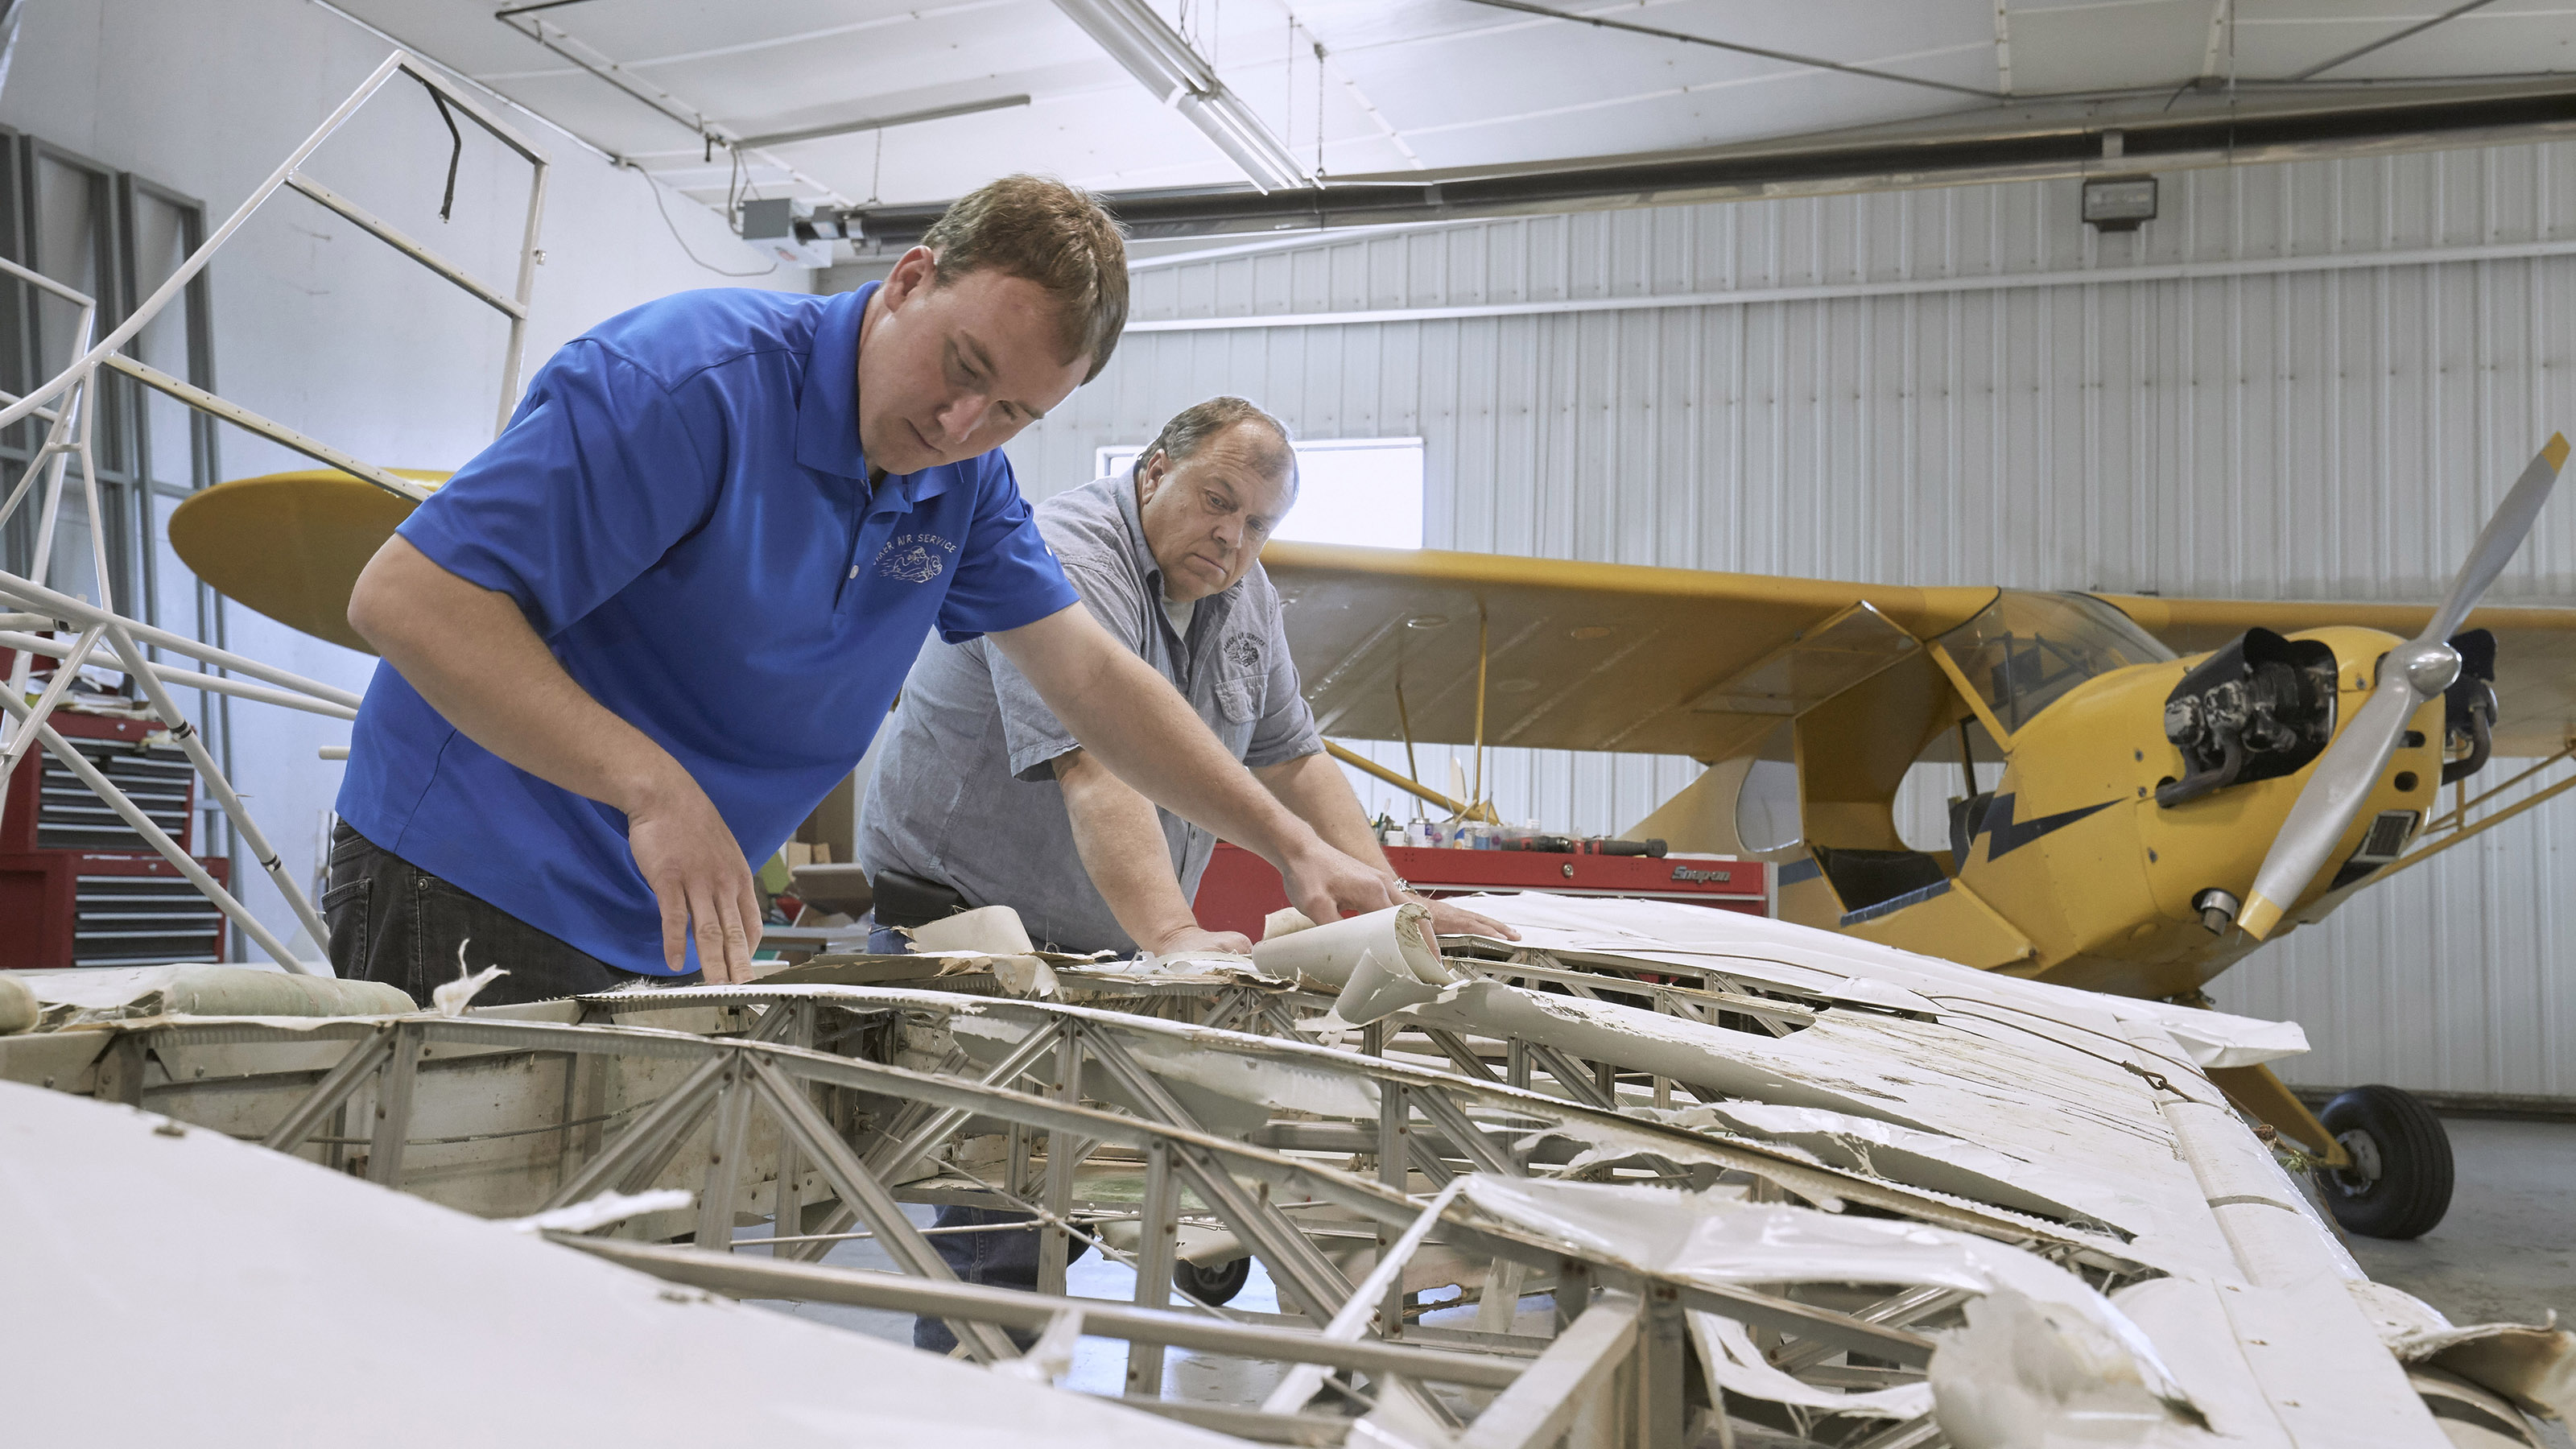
(1451, 919)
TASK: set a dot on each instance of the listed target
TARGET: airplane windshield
(2024, 650)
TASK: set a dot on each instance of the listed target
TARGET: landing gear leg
(2399, 1183)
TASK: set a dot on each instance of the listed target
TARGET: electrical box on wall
(772, 226)
(2120, 203)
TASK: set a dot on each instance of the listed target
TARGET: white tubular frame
(66, 403)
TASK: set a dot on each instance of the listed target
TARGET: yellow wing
(291, 544)
(1582, 656)
(2535, 650)
(1586, 656)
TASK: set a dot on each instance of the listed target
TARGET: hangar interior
(1862, 293)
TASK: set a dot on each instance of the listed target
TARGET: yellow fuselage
(2083, 879)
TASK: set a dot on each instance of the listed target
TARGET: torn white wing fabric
(1729, 1354)
(452, 998)
(1400, 938)
(2028, 1374)
(1930, 1159)
(1715, 1239)
(1798, 958)
(2215, 1039)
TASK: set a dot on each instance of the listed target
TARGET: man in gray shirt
(982, 797)
(982, 792)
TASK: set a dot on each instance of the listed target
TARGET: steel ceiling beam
(884, 123)
(1892, 159)
(1791, 57)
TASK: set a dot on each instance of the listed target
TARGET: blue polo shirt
(681, 509)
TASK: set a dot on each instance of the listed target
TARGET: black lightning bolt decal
(2004, 836)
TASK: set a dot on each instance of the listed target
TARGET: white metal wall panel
(1936, 403)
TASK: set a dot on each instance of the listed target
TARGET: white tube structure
(74, 611)
(183, 732)
(190, 679)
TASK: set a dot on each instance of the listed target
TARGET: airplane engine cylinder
(2255, 710)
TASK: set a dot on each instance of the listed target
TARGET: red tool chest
(78, 886)
(1240, 888)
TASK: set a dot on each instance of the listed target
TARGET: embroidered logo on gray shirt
(915, 558)
(1243, 651)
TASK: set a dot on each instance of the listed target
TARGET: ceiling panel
(1460, 84)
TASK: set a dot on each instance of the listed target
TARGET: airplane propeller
(2409, 675)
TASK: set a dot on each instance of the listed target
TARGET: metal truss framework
(67, 401)
(1300, 1151)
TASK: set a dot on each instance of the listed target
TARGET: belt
(909, 900)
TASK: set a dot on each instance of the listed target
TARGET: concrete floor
(2505, 1253)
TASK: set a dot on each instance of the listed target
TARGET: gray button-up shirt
(964, 791)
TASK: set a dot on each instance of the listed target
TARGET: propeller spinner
(2410, 675)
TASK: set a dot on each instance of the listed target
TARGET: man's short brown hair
(1194, 426)
(1040, 230)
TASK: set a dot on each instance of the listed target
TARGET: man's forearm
(470, 653)
(1119, 836)
(1141, 728)
(1315, 788)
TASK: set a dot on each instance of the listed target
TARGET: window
(115, 237)
(2024, 650)
(1365, 491)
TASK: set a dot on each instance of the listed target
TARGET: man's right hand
(1328, 885)
(1195, 941)
(699, 879)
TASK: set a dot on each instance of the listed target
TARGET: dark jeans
(391, 921)
(1002, 1260)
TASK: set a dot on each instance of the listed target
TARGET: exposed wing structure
(1878, 1198)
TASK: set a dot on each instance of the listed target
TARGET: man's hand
(1328, 885)
(470, 653)
(699, 879)
(1450, 919)
(1194, 941)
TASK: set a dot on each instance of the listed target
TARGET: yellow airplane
(2127, 818)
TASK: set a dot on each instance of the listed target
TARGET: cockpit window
(2024, 650)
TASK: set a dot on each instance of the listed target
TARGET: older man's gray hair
(1192, 427)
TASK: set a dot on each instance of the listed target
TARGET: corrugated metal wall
(2323, 379)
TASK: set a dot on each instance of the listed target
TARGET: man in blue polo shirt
(635, 641)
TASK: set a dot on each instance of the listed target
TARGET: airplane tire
(1215, 1287)
(2400, 1183)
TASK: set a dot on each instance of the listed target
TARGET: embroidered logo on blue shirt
(1244, 652)
(915, 558)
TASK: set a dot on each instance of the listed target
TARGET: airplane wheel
(2399, 1185)
(1212, 1286)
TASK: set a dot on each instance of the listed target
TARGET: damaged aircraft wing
(2185, 1289)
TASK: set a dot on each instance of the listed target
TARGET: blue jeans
(1007, 1259)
